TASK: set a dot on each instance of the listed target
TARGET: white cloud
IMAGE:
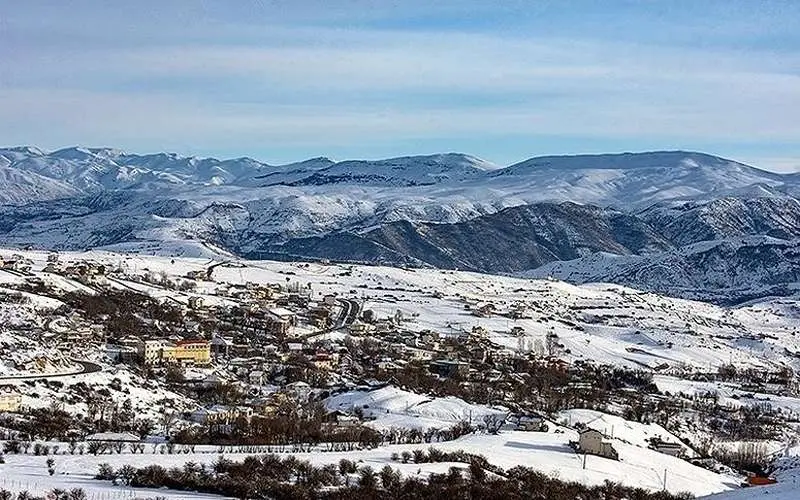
(322, 87)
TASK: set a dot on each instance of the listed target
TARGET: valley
(199, 360)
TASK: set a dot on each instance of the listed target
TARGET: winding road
(87, 367)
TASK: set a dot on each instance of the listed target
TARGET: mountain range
(676, 222)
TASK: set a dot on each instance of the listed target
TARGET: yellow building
(185, 351)
(189, 351)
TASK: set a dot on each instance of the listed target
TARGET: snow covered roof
(281, 312)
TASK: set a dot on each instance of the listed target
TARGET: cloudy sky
(286, 80)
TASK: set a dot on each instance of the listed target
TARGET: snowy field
(547, 452)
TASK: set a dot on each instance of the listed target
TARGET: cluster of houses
(593, 442)
(267, 405)
(15, 263)
(190, 351)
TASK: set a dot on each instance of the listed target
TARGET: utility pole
(584, 460)
(665, 479)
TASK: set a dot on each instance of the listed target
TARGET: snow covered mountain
(728, 271)
(614, 179)
(725, 217)
(448, 210)
(516, 238)
(399, 172)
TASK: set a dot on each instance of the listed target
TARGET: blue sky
(286, 80)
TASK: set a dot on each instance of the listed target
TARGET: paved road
(350, 311)
(86, 367)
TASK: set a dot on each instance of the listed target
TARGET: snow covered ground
(599, 322)
(393, 407)
(787, 473)
(547, 452)
(634, 433)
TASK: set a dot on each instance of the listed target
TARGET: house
(52, 267)
(531, 423)
(220, 414)
(213, 380)
(340, 419)
(10, 400)
(590, 441)
(121, 353)
(294, 347)
(91, 272)
(256, 377)
(149, 351)
(194, 351)
(320, 316)
(758, 480)
(667, 448)
(300, 390)
(480, 332)
(221, 346)
(325, 361)
(517, 331)
(16, 263)
(358, 328)
(195, 302)
(448, 368)
(282, 314)
(196, 275)
(414, 354)
(265, 405)
(329, 300)
(483, 309)
(427, 337)
(280, 320)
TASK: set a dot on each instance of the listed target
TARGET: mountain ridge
(92, 169)
(448, 210)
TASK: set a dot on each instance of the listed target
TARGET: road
(350, 311)
(87, 367)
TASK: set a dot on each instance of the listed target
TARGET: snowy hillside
(732, 270)
(447, 210)
(603, 323)
(678, 346)
(392, 407)
(445, 179)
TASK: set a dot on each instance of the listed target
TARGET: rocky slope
(571, 213)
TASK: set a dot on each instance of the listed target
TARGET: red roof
(191, 341)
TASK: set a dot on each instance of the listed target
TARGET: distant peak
(28, 150)
(627, 161)
(444, 159)
(317, 162)
(72, 153)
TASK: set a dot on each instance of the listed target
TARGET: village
(249, 363)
